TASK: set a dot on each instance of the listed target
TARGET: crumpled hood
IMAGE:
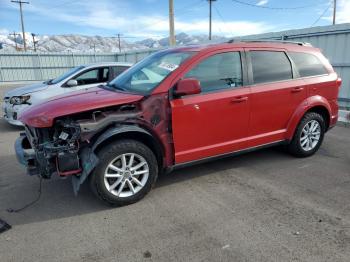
(26, 89)
(43, 115)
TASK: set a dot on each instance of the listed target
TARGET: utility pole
(210, 4)
(14, 34)
(21, 11)
(34, 42)
(172, 40)
(120, 49)
(334, 10)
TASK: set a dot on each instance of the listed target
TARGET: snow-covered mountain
(81, 43)
(68, 43)
(181, 39)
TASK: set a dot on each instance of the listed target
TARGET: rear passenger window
(308, 64)
(220, 71)
(270, 66)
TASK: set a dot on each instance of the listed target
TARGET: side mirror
(72, 83)
(189, 86)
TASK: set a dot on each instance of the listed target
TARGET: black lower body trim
(235, 153)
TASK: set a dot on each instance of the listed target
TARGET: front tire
(308, 136)
(126, 172)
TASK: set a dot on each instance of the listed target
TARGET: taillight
(338, 82)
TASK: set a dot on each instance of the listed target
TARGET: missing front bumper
(79, 165)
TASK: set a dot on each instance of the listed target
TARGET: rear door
(215, 121)
(276, 92)
(315, 75)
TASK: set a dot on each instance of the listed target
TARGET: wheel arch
(323, 111)
(131, 132)
(315, 104)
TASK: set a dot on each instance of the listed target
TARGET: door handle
(239, 99)
(297, 89)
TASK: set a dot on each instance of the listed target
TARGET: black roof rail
(268, 41)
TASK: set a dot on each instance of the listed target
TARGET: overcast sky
(149, 18)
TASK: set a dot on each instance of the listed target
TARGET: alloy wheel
(310, 135)
(126, 175)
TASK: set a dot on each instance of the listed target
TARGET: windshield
(65, 75)
(149, 72)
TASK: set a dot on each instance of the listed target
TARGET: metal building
(334, 41)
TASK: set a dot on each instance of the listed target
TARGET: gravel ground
(262, 206)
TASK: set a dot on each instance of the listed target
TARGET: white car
(80, 77)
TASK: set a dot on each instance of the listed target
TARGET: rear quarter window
(307, 64)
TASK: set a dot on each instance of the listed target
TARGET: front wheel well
(144, 138)
(323, 112)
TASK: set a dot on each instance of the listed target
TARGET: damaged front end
(55, 150)
(68, 147)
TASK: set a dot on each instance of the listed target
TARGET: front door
(91, 78)
(215, 121)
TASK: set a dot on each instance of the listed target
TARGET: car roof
(98, 64)
(249, 44)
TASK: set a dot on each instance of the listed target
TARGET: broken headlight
(18, 100)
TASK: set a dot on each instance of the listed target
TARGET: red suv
(178, 107)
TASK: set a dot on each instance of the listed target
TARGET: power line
(271, 7)
(189, 6)
(324, 12)
(158, 21)
(62, 4)
(221, 17)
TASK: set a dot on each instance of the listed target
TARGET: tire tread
(294, 146)
(127, 145)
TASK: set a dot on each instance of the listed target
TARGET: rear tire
(126, 172)
(308, 136)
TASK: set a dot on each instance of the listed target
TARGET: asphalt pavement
(262, 206)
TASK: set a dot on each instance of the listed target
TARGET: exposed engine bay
(56, 149)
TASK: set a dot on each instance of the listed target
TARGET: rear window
(270, 66)
(308, 64)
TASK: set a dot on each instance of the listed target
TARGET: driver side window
(220, 71)
(89, 77)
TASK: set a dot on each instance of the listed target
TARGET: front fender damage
(68, 148)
